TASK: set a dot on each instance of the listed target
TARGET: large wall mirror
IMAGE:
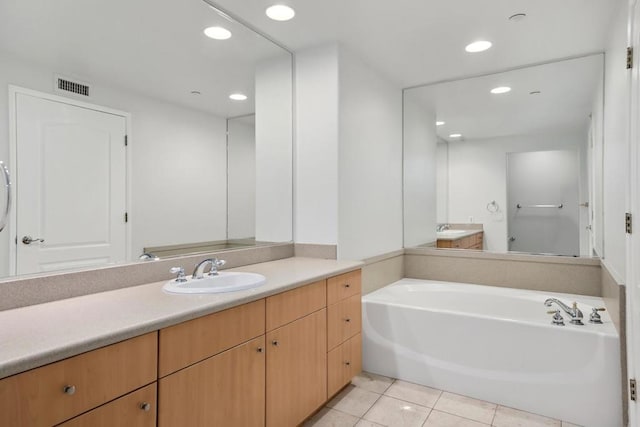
(507, 162)
(132, 127)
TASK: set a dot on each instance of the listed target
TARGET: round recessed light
(478, 46)
(217, 33)
(195, 92)
(280, 12)
(517, 17)
(455, 135)
(501, 89)
(439, 123)
(238, 96)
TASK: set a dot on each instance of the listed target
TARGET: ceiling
(422, 41)
(152, 47)
(567, 93)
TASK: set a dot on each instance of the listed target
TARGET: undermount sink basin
(223, 282)
(449, 233)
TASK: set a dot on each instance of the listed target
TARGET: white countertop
(464, 233)
(40, 334)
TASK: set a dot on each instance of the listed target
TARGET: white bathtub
(496, 344)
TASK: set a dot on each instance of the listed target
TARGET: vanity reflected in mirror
(507, 162)
(125, 134)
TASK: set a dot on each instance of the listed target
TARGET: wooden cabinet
(344, 324)
(475, 241)
(296, 354)
(344, 362)
(136, 409)
(57, 392)
(224, 390)
(189, 342)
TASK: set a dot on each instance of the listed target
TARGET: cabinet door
(137, 409)
(224, 390)
(296, 370)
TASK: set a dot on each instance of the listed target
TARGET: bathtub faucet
(574, 311)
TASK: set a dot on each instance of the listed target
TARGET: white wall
(420, 145)
(477, 176)
(616, 127)
(316, 198)
(442, 182)
(370, 161)
(166, 174)
(274, 151)
(241, 185)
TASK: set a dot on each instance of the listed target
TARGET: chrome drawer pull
(260, 350)
(69, 389)
(275, 342)
(145, 406)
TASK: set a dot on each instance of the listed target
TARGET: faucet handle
(595, 317)
(180, 272)
(219, 262)
(557, 318)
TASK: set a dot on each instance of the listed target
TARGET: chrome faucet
(198, 272)
(442, 227)
(574, 311)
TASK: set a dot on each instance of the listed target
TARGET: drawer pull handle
(347, 363)
(347, 320)
(275, 342)
(69, 389)
(260, 350)
(347, 285)
(145, 406)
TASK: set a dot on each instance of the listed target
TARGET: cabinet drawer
(343, 363)
(344, 320)
(189, 342)
(343, 286)
(137, 409)
(296, 303)
(62, 390)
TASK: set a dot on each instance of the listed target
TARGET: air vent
(70, 86)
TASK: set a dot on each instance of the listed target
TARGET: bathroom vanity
(461, 239)
(268, 356)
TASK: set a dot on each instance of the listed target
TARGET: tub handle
(595, 317)
(557, 318)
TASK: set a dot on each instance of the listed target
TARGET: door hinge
(633, 393)
(126, 140)
(628, 223)
(629, 58)
(126, 217)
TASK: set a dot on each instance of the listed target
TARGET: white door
(70, 185)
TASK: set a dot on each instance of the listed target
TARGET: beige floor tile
(442, 419)
(354, 401)
(415, 393)
(372, 382)
(328, 417)
(566, 424)
(397, 413)
(509, 417)
(365, 423)
(466, 407)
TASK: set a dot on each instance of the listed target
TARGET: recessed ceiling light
(217, 33)
(195, 92)
(501, 89)
(517, 17)
(439, 123)
(478, 46)
(455, 135)
(280, 12)
(238, 97)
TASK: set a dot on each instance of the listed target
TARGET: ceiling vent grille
(66, 85)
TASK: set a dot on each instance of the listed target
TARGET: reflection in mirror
(118, 125)
(507, 162)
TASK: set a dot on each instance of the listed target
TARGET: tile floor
(374, 401)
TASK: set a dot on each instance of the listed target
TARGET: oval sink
(223, 282)
(449, 233)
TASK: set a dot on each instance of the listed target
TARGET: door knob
(27, 240)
